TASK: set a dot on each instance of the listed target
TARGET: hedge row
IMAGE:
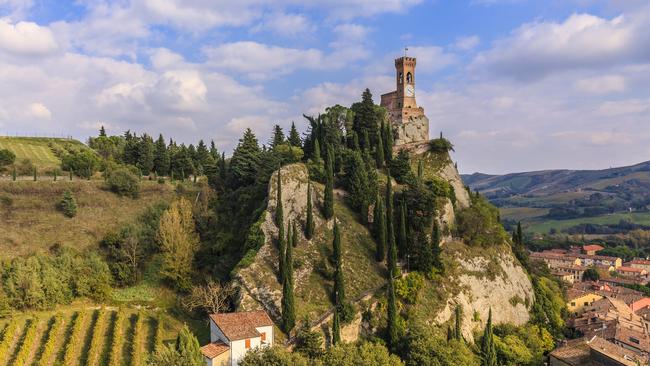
(75, 338)
(25, 347)
(50, 342)
(95, 351)
(7, 339)
(118, 335)
(136, 346)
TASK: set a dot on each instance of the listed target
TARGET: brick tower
(409, 123)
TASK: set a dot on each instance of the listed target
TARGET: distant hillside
(41, 151)
(567, 194)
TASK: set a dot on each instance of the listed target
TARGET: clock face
(409, 91)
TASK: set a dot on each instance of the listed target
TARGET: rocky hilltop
(478, 278)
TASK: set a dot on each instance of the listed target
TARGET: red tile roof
(640, 261)
(630, 269)
(213, 350)
(236, 326)
(592, 247)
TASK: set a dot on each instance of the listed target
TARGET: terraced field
(102, 337)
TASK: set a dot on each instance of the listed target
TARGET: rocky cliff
(477, 278)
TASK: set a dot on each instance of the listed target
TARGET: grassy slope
(35, 149)
(30, 220)
(170, 326)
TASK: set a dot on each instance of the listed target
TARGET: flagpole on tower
(405, 49)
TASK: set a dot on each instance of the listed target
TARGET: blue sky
(515, 84)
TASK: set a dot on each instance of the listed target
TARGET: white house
(232, 335)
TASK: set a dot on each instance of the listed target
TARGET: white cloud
(431, 58)
(582, 41)
(467, 43)
(26, 39)
(601, 84)
(287, 25)
(40, 111)
(622, 107)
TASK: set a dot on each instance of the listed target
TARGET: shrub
(82, 163)
(408, 288)
(6, 157)
(124, 183)
(479, 225)
(25, 167)
(68, 205)
(441, 145)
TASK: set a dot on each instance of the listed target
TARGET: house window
(247, 343)
(573, 303)
(634, 340)
(263, 336)
(586, 303)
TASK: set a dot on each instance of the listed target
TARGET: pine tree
(278, 137)
(392, 315)
(68, 205)
(488, 350)
(380, 229)
(392, 250)
(328, 204)
(309, 225)
(458, 333)
(188, 348)
(288, 301)
(245, 160)
(336, 327)
(102, 131)
(402, 245)
(294, 136)
(339, 282)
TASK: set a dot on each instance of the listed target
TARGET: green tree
(179, 243)
(392, 250)
(379, 150)
(188, 348)
(309, 342)
(359, 196)
(278, 137)
(146, 154)
(392, 331)
(68, 204)
(435, 245)
(288, 301)
(379, 225)
(279, 213)
(389, 142)
(339, 281)
(245, 160)
(488, 351)
(401, 167)
(279, 221)
(273, 356)
(365, 122)
(363, 353)
(336, 327)
(123, 182)
(458, 322)
(402, 241)
(328, 204)
(309, 225)
(294, 137)
(161, 157)
(591, 274)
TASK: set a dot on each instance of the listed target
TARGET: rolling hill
(41, 151)
(581, 196)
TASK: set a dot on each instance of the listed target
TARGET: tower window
(409, 78)
(400, 79)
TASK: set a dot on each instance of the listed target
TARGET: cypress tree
(279, 213)
(458, 333)
(70, 173)
(366, 141)
(435, 245)
(13, 174)
(355, 142)
(35, 176)
(294, 234)
(288, 301)
(392, 250)
(520, 235)
(279, 221)
(420, 170)
(328, 204)
(309, 226)
(392, 315)
(379, 153)
(380, 229)
(402, 245)
(450, 333)
(316, 150)
(336, 327)
(488, 350)
(188, 347)
(389, 143)
(55, 174)
(339, 283)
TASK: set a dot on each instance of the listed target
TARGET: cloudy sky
(515, 84)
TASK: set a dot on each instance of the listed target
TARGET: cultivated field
(545, 226)
(30, 221)
(36, 149)
(102, 336)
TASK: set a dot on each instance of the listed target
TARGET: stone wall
(413, 129)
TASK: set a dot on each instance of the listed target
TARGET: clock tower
(408, 120)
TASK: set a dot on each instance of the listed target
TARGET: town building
(639, 263)
(594, 351)
(591, 249)
(232, 335)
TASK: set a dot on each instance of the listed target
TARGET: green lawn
(543, 226)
